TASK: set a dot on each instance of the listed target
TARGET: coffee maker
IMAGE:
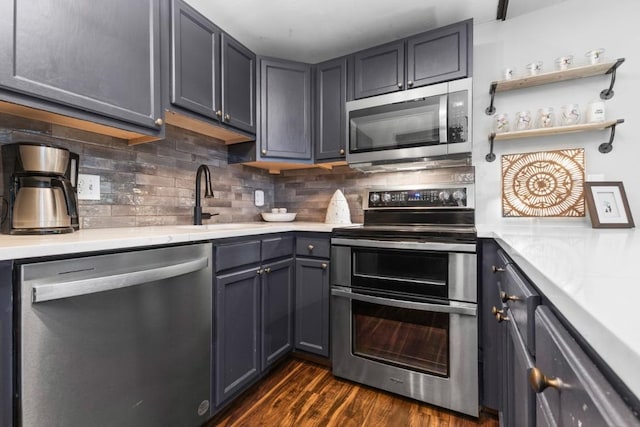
(40, 193)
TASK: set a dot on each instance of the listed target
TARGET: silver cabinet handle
(454, 307)
(53, 291)
(442, 115)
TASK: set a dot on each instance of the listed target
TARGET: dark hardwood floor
(301, 393)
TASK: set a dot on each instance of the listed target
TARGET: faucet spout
(197, 210)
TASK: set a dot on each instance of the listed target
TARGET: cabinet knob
(324, 265)
(267, 270)
(410, 83)
(264, 152)
(310, 247)
(342, 151)
(497, 269)
(159, 122)
(400, 85)
(219, 113)
(500, 316)
(539, 381)
(495, 311)
(504, 297)
(227, 117)
(259, 271)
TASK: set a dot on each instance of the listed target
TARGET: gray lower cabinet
(285, 110)
(254, 308)
(570, 388)
(6, 344)
(312, 306)
(330, 99)
(97, 57)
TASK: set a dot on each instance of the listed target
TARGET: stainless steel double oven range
(404, 296)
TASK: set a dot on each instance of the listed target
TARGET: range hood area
(414, 164)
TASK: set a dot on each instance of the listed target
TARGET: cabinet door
(238, 85)
(584, 396)
(519, 399)
(379, 70)
(312, 306)
(277, 311)
(102, 57)
(237, 321)
(491, 338)
(195, 53)
(6, 343)
(285, 109)
(331, 96)
(439, 55)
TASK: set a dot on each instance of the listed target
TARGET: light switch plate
(88, 187)
(259, 198)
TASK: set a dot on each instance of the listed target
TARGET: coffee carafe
(40, 194)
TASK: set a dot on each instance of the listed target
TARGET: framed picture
(608, 205)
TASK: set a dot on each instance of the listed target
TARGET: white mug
(595, 112)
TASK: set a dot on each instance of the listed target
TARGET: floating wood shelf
(556, 76)
(557, 130)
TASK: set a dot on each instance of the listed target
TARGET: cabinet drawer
(237, 254)
(313, 247)
(584, 396)
(277, 247)
(519, 296)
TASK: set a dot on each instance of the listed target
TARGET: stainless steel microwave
(423, 123)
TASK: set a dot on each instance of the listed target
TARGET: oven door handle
(454, 307)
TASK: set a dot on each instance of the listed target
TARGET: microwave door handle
(454, 307)
(442, 114)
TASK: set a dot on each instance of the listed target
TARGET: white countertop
(592, 277)
(20, 247)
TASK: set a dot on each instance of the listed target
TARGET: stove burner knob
(374, 198)
(386, 197)
(459, 195)
(444, 196)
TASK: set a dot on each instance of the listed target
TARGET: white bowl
(278, 217)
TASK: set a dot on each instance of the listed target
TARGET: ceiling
(316, 30)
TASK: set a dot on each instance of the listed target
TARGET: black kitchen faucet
(198, 215)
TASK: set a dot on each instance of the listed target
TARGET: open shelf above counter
(557, 76)
(556, 130)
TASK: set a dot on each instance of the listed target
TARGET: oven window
(415, 339)
(397, 271)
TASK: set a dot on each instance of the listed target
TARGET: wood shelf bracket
(606, 147)
(608, 93)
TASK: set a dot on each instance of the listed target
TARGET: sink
(229, 226)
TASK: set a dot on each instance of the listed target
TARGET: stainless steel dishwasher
(116, 340)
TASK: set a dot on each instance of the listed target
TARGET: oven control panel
(420, 198)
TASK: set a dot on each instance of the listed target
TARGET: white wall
(571, 27)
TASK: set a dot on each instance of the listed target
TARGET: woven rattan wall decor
(543, 184)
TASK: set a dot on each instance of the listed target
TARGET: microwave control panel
(425, 198)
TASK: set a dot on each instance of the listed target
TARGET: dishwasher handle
(59, 290)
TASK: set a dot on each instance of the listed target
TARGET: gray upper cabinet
(211, 73)
(238, 85)
(571, 390)
(435, 56)
(100, 57)
(439, 55)
(330, 99)
(195, 53)
(379, 70)
(285, 110)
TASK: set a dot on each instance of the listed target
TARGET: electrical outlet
(259, 198)
(88, 187)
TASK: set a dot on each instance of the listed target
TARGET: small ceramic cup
(275, 210)
(534, 68)
(501, 123)
(564, 62)
(523, 120)
(508, 73)
(594, 55)
(570, 114)
(282, 210)
(545, 117)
